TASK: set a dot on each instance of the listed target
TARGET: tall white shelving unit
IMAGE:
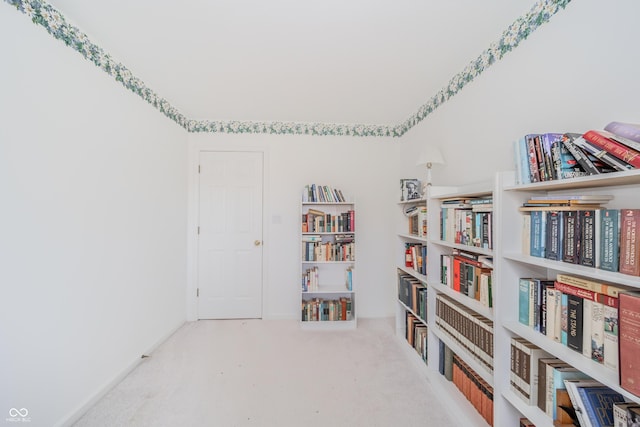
(511, 264)
(336, 278)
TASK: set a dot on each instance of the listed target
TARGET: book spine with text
(619, 150)
(609, 239)
(629, 340)
(629, 241)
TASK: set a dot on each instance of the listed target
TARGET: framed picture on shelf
(410, 189)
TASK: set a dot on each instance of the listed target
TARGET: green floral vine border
(43, 14)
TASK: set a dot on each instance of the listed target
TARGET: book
(589, 251)
(619, 150)
(620, 413)
(598, 402)
(554, 328)
(601, 154)
(591, 285)
(524, 300)
(579, 406)
(609, 239)
(610, 336)
(585, 162)
(627, 130)
(575, 325)
(629, 341)
(571, 236)
(622, 139)
(633, 416)
(566, 165)
(629, 242)
(534, 171)
(595, 338)
(538, 228)
(553, 235)
(556, 374)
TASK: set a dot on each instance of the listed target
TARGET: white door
(230, 235)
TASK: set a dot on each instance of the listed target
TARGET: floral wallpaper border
(43, 14)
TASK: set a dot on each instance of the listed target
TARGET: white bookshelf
(332, 283)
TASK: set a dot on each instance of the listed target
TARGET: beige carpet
(271, 373)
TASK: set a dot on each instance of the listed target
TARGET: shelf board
(630, 177)
(412, 201)
(464, 355)
(329, 325)
(329, 289)
(468, 302)
(533, 413)
(413, 237)
(326, 203)
(598, 372)
(410, 310)
(414, 273)
(580, 270)
(328, 262)
(466, 248)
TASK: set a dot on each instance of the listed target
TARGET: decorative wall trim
(43, 14)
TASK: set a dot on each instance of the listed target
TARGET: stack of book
(551, 156)
(468, 273)
(313, 193)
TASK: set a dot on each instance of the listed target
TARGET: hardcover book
(571, 237)
(619, 150)
(581, 157)
(610, 336)
(609, 239)
(589, 229)
(574, 326)
(598, 402)
(630, 242)
(601, 154)
(628, 130)
(629, 339)
(620, 413)
(553, 236)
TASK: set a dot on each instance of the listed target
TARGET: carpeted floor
(272, 373)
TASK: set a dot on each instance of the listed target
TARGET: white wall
(578, 71)
(92, 226)
(363, 168)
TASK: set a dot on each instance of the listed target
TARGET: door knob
(257, 242)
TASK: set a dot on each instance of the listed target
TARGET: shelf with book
(411, 301)
(518, 259)
(328, 260)
(460, 259)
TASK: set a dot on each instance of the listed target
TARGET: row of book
(468, 273)
(415, 257)
(417, 220)
(475, 389)
(599, 320)
(601, 238)
(316, 221)
(413, 294)
(470, 330)
(416, 334)
(552, 155)
(313, 193)
(573, 312)
(467, 221)
(319, 250)
(568, 396)
(320, 309)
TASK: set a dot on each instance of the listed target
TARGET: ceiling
(329, 61)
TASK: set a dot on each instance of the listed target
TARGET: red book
(619, 150)
(629, 331)
(456, 273)
(630, 242)
(586, 294)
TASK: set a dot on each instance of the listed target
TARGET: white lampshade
(430, 154)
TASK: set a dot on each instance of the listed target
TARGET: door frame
(217, 143)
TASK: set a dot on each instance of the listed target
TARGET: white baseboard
(76, 414)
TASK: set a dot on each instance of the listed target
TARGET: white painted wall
(92, 226)
(578, 71)
(93, 183)
(363, 168)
